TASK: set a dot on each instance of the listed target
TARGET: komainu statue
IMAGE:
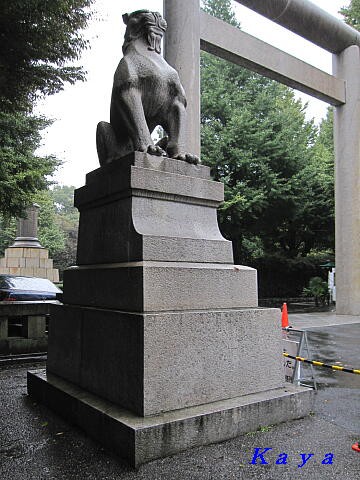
(146, 93)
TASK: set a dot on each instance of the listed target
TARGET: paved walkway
(36, 444)
(322, 319)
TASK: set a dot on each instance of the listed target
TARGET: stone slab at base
(141, 439)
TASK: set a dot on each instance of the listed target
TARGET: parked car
(16, 288)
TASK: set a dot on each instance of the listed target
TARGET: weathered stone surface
(34, 326)
(184, 233)
(228, 42)
(144, 160)
(3, 327)
(139, 440)
(347, 180)
(32, 261)
(189, 250)
(161, 286)
(309, 21)
(19, 345)
(151, 363)
(184, 27)
(147, 208)
(27, 229)
(160, 183)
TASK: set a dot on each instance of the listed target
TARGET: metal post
(182, 51)
(347, 184)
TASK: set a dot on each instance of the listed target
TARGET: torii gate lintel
(189, 30)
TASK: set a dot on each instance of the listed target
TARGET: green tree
(67, 218)
(352, 14)
(256, 139)
(314, 187)
(22, 172)
(318, 289)
(310, 226)
(7, 233)
(50, 234)
(221, 9)
(40, 40)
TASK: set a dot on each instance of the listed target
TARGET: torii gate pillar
(182, 51)
(347, 184)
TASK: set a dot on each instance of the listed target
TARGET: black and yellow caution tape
(322, 364)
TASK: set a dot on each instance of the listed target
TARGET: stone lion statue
(146, 93)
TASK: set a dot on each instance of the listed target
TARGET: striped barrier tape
(321, 364)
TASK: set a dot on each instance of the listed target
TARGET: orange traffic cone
(356, 447)
(284, 316)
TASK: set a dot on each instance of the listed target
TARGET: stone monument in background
(160, 345)
(26, 257)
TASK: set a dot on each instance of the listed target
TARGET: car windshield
(28, 283)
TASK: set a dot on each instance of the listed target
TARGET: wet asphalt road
(36, 444)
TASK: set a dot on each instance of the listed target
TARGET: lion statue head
(143, 23)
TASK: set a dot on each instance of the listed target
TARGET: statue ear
(125, 18)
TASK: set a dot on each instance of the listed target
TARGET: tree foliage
(7, 233)
(319, 289)
(39, 40)
(276, 166)
(258, 142)
(352, 14)
(67, 218)
(22, 172)
(221, 9)
(314, 223)
(50, 234)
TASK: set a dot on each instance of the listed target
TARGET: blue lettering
(259, 455)
(282, 460)
(328, 459)
(305, 458)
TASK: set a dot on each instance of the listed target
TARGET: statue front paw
(188, 157)
(151, 150)
(156, 150)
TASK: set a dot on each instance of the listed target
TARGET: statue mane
(143, 23)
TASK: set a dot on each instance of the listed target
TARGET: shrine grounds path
(37, 444)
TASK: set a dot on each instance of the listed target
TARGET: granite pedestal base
(141, 439)
(160, 345)
(156, 362)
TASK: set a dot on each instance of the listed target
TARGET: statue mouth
(154, 38)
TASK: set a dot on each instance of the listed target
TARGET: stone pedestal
(26, 257)
(160, 345)
(29, 262)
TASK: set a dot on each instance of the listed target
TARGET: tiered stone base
(160, 344)
(29, 262)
